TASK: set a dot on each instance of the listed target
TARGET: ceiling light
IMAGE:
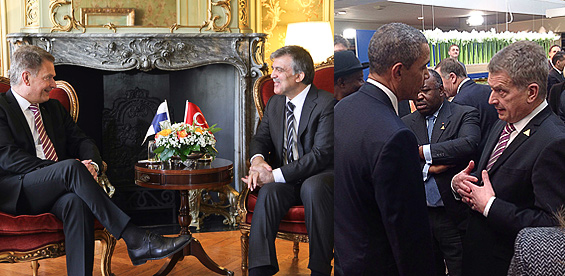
(420, 18)
(349, 33)
(342, 12)
(475, 18)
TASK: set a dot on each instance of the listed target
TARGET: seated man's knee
(317, 185)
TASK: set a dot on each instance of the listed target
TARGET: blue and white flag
(161, 116)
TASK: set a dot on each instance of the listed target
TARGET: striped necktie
(290, 132)
(48, 148)
(501, 145)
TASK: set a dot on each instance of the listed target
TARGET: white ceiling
(443, 14)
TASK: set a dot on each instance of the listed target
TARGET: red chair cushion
(324, 79)
(267, 91)
(11, 225)
(61, 95)
(23, 243)
(292, 222)
(4, 88)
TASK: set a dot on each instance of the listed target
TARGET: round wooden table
(204, 175)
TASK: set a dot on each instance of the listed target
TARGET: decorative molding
(243, 14)
(72, 22)
(110, 26)
(32, 13)
(174, 27)
(210, 24)
(273, 17)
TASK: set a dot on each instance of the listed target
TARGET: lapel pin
(442, 125)
(527, 132)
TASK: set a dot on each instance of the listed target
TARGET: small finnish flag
(162, 115)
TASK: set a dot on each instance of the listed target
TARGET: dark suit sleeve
(464, 146)
(547, 177)
(561, 106)
(321, 154)
(13, 158)
(399, 193)
(261, 142)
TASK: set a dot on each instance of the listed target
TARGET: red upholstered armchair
(293, 226)
(29, 238)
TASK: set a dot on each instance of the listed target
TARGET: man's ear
(452, 78)
(396, 71)
(533, 92)
(25, 77)
(300, 77)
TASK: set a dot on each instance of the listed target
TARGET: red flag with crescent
(192, 113)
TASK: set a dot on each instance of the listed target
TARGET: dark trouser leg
(78, 223)
(273, 202)
(43, 187)
(448, 241)
(317, 194)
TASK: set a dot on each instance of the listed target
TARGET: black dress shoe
(156, 247)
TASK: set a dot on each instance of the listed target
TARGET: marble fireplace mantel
(167, 52)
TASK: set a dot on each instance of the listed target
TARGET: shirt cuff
(96, 167)
(425, 171)
(278, 176)
(427, 153)
(487, 207)
(456, 195)
(256, 155)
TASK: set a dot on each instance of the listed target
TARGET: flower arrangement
(479, 46)
(185, 141)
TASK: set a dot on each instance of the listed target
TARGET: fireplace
(120, 80)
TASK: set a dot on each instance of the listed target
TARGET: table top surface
(204, 175)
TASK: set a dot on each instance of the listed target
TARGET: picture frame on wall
(102, 16)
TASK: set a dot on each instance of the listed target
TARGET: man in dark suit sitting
(467, 92)
(48, 165)
(448, 135)
(292, 160)
(381, 221)
(519, 176)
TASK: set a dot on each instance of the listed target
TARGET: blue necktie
(433, 196)
(290, 132)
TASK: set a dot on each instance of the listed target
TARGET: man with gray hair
(48, 165)
(518, 179)
(292, 162)
(467, 92)
(381, 221)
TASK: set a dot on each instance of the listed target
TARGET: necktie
(48, 148)
(501, 145)
(290, 132)
(433, 197)
(431, 120)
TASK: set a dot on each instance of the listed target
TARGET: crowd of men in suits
(449, 186)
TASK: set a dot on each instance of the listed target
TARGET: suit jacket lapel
(307, 108)
(530, 128)
(490, 144)
(442, 121)
(279, 123)
(17, 111)
(419, 128)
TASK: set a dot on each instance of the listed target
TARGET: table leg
(193, 248)
(184, 213)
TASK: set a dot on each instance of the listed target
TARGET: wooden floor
(222, 247)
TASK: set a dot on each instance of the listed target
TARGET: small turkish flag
(192, 113)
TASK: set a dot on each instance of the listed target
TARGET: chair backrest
(64, 93)
(264, 86)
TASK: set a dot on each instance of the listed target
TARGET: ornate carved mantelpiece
(161, 52)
